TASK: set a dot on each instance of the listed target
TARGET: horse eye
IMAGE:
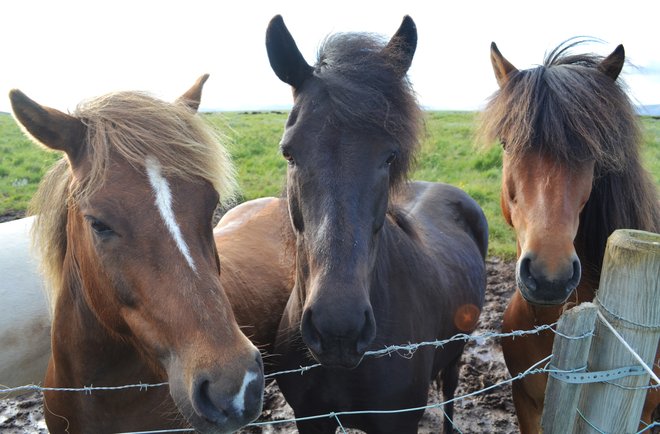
(503, 143)
(99, 227)
(391, 158)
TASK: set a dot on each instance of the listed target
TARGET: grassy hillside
(448, 155)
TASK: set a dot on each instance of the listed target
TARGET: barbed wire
(406, 350)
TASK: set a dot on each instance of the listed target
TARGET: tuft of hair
(370, 93)
(567, 109)
(132, 125)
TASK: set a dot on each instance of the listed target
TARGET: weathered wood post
(568, 353)
(629, 299)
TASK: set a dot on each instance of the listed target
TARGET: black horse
(379, 260)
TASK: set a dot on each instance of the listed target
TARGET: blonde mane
(132, 125)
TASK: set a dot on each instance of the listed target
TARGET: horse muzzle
(339, 343)
(542, 288)
(220, 400)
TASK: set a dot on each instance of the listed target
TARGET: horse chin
(338, 361)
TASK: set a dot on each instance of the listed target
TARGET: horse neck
(618, 200)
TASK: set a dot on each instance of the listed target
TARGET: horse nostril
(203, 404)
(229, 402)
(310, 334)
(367, 333)
(525, 273)
(577, 274)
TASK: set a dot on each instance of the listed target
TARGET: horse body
(124, 223)
(257, 266)
(378, 260)
(24, 317)
(571, 176)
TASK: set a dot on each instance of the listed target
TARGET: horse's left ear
(193, 96)
(613, 64)
(50, 127)
(403, 44)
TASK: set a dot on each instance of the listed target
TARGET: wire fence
(406, 350)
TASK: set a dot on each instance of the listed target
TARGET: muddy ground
(483, 366)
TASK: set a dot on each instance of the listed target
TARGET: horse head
(346, 143)
(139, 257)
(544, 188)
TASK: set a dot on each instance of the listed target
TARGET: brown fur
(133, 125)
(568, 130)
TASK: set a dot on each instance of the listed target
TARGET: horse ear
(50, 127)
(284, 56)
(193, 96)
(501, 66)
(403, 44)
(613, 64)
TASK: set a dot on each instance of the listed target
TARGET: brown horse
(124, 227)
(255, 244)
(571, 175)
(378, 260)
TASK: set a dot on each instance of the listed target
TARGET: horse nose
(337, 339)
(539, 286)
(229, 406)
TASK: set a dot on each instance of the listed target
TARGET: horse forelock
(368, 93)
(136, 127)
(566, 109)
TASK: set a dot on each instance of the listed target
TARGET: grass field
(449, 154)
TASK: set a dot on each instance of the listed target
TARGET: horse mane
(369, 93)
(570, 111)
(132, 125)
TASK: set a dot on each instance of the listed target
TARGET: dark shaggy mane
(569, 110)
(368, 93)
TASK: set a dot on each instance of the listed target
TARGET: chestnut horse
(379, 260)
(254, 241)
(571, 175)
(124, 227)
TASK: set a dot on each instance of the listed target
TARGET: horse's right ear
(193, 96)
(613, 64)
(50, 127)
(284, 56)
(501, 66)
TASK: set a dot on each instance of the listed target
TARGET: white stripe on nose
(164, 204)
(239, 399)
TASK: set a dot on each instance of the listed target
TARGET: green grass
(254, 146)
(22, 164)
(448, 155)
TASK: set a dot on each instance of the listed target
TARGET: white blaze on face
(239, 399)
(164, 204)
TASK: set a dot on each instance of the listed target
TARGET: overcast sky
(60, 52)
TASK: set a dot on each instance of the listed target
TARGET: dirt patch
(483, 366)
(11, 215)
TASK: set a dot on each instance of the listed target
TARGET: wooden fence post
(629, 299)
(561, 398)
